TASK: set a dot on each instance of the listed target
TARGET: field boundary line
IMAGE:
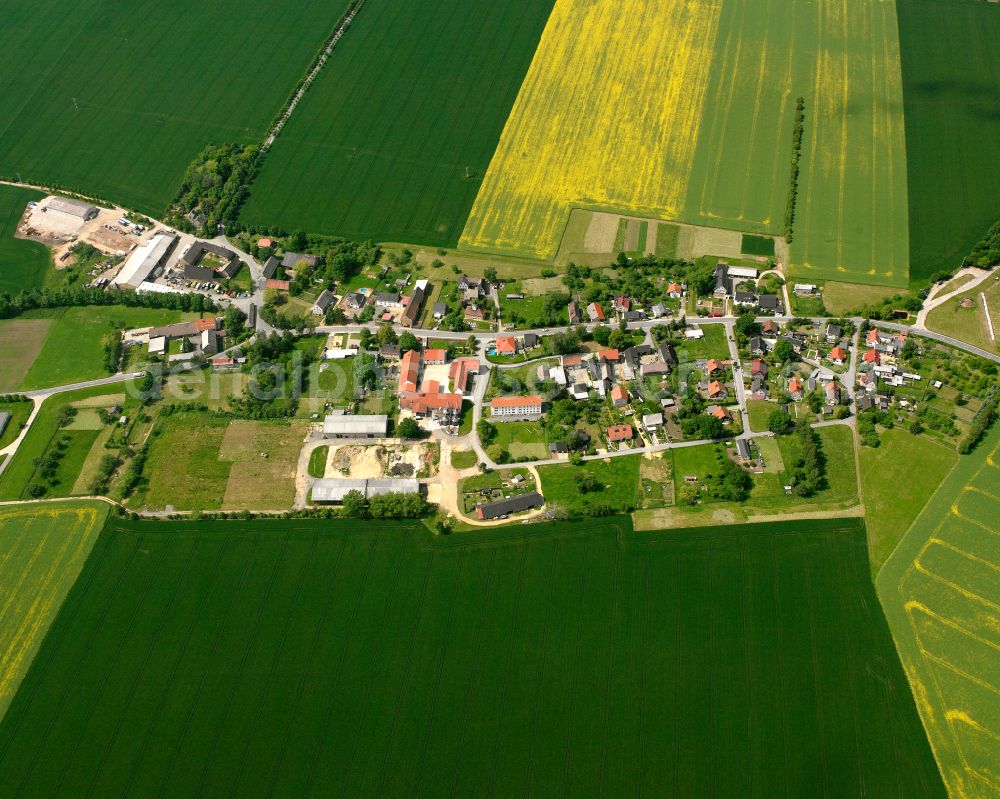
(319, 61)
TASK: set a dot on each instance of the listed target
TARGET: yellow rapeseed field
(607, 117)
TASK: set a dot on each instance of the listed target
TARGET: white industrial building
(75, 208)
(333, 490)
(143, 260)
(345, 426)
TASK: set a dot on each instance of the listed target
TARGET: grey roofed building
(722, 284)
(574, 313)
(654, 368)
(387, 298)
(757, 346)
(4, 421)
(144, 259)
(69, 206)
(393, 351)
(198, 273)
(412, 310)
(323, 301)
(530, 340)
(743, 449)
(175, 330)
(634, 316)
(199, 248)
(758, 384)
(659, 310)
(290, 259)
(768, 302)
(271, 267)
(651, 420)
(333, 490)
(745, 298)
(440, 310)
(668, 354)
(209, 342)
(355, 300)
(633, 354)
(231, 269)
(514, 504)
(554, 449)
(363, 426)
(834, 332)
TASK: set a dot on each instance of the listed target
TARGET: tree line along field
(951, 92)
(393, 139)
(318, 658)
(692, 121)
(940, 592)
(116, 101)
(42, 550)
(22, 263)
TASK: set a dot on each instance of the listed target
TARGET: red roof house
(620, 432)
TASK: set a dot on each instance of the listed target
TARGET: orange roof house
(506, 345)
(409, 371)
(460, 371)
(794, 386)
(712, 366)
(720, 413)
(871, 356)
(620, 432)
(609, 355)
(715, 388)
(435, 356)
(838, 354)
(619, 396)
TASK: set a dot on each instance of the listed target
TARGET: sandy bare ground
(601, 232)
(651, 235)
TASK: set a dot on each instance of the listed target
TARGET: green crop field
(103, 100)
(22, 263)
(73, 349)
(394, 138)
(951, 92)
(321, 658)
(42, 549)
(894, 492)
(941, 592)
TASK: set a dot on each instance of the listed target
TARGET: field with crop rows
(951, 88)
(394, 138)
(22, 263)
(117, 100)
(323, 658)
(941, 594)
(685, 111)
(42, 549)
